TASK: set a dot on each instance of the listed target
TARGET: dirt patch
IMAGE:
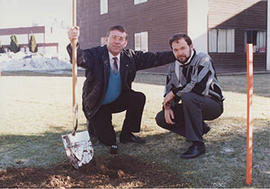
(119, 171)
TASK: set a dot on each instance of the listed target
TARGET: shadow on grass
(223, 165)
(32, 149)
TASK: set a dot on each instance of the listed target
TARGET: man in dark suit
(110, 71)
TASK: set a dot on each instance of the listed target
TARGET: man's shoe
(126, 138)
(114, 149)
(206, 128)
(194, 151)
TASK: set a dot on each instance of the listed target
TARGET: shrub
(2, 50)
(14, 46)
(32, 44)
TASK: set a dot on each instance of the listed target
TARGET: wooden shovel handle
(74, 74)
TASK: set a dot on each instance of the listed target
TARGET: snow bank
(32, 62)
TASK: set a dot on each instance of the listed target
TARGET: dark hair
(118, 28)
(178, 36)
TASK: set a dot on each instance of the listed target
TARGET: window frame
(104, 7)
(137, 2)
(143, 45)
(229, 47)
(255, 50)
(102, 41)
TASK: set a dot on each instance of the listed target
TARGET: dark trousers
(101, 124)
(190, 114)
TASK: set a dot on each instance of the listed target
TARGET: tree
(2, 50)
(14, 46)
(32, 44)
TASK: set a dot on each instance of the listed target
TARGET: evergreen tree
(32, 44)
(14, 46)
(2, 50)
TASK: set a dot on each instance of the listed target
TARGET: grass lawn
(35, 111)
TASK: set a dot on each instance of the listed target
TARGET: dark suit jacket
(97, 65)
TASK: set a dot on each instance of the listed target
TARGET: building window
(257, 38)
(103, 6)
(139, 1)
(221, 40)
(141, 41)
(102, 41)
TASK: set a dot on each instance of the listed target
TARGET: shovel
(78, 145)
(78, 148)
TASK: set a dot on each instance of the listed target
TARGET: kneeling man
(192, 95)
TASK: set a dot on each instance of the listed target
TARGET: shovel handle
(74, 74)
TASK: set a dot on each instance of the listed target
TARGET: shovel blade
(78, 148)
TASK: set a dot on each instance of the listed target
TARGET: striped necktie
(115, 65)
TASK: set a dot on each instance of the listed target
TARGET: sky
(23, 13)
(48, 13)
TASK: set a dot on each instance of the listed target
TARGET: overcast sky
(20, 13)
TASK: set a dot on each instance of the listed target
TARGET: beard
(183, 59)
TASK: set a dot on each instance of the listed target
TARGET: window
(103, 6)
(139, 1)
(257, 38)
(102, 41)
(141, 41)
(221, 40)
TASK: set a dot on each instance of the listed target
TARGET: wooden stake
(249, 113)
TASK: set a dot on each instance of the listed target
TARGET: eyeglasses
(119, 38)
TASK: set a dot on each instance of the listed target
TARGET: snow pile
(32, 62)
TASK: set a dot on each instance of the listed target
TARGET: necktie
(115, 65)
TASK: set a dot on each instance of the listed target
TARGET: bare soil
(118, 171)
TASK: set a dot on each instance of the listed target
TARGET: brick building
(218, 27)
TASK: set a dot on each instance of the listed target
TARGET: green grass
(36, 111)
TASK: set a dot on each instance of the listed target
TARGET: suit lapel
(106, 67)
(123, 66)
